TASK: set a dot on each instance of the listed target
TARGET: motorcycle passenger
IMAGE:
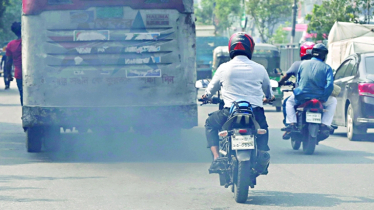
(305, 54)
(239, 79)
(315, 80)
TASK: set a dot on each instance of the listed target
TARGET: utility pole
(294, 13)
(368, 11)
(244, 19)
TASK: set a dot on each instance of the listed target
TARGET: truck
(206, 42)
(348, 38)
(107, 64)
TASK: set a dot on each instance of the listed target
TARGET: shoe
(289, 128)
(326, 128)
(218, 165)
(286, 135)
(6, 87)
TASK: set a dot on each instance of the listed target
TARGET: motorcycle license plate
(313, 117)
(242, 142)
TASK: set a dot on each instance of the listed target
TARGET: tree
(366, 8)
(3, 5)
(280, 36)
(12, 13)
(267, 14)
(325, 15)
(217, 12)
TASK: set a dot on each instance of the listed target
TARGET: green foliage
(3, 5)
(267, 14)
(324, 16)
(217, 12)
(12, 13)
(366, 6)
(280, 36)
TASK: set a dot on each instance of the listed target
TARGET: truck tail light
(366, 89)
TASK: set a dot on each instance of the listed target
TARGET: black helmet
(320, 51)
(241, 44)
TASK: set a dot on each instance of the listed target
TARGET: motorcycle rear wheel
(241, 185)
(310, 145)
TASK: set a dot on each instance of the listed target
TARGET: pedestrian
(7, 75)
(14, 57)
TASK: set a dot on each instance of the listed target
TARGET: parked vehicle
(107, 64)
(264, 54)
(238, 148)
(204, 54)
(355, 76)
(309, 120)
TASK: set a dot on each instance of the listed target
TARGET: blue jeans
(284, 110)
(20, 89)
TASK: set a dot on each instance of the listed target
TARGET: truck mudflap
(182, 116)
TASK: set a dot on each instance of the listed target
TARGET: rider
(239, 79)
(305, 54)
(315, 80)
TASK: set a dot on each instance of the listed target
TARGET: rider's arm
(292, 71)
(329, 84)
(214, 84)
(284, 78)
(266, 87)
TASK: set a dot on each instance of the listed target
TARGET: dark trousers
(216, 120)
(20, 89)
(284, 111)
(6, 79)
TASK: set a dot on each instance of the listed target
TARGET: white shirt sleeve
(215, 83)
(266, 87)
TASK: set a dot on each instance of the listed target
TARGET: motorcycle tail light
(223, 133)
(241, 131)
(261, 131)
(314, 110)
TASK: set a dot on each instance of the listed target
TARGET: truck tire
(241, 185)
(52, 138)
(34, 139)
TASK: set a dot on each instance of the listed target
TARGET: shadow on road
(366, 138)
(305, 200)
(282, 153)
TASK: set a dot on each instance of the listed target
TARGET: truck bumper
(183, 116)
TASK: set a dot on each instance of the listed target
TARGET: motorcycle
(309, 120)
(241, 162)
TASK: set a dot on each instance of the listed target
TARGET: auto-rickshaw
(264, 54)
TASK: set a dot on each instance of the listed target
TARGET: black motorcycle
(240, 160)
(309, 120)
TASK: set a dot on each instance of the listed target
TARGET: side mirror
(273, 83)
(202, 83)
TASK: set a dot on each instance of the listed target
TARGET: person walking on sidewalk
(14, 57)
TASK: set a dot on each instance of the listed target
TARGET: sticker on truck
(142, 73)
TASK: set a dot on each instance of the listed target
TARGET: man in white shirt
(239, 79)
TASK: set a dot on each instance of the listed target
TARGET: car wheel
(354, 132)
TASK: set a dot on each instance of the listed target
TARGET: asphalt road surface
(123, 172)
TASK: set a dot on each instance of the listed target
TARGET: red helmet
(306, 50)
(241, 44)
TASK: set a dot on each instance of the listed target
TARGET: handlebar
(289, 83)
(214, 100)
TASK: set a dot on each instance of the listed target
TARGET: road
(121, 172)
